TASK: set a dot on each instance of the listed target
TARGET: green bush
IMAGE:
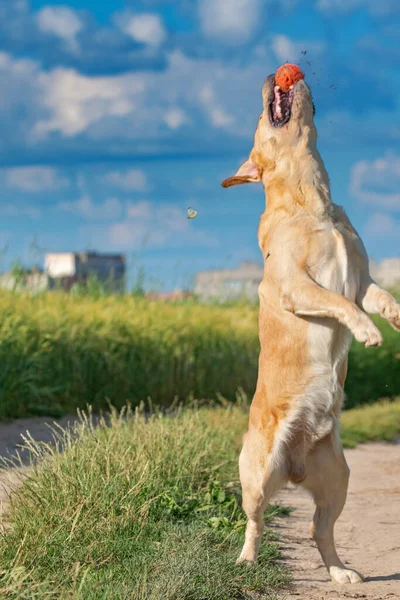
(374, 372)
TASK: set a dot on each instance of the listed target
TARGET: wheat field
(61, 352)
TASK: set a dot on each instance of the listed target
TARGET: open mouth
(280, 109)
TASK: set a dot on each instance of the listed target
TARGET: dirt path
(10, 439)
(367, 533)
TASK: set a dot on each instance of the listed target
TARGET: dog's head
(285, 125)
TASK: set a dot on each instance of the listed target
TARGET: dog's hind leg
(260, 479)
(327, 480)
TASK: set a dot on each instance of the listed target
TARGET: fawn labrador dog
(315, 294)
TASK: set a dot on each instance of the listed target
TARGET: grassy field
(60, 352)
(148, 509)
(381, 421)
(144, 510)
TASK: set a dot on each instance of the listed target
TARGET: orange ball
(288, 75)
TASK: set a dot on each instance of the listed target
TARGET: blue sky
(117, 116)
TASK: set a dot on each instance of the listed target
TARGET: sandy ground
(367, 533)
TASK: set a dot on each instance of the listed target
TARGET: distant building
(169, 296)
(226, 284)
(30, 280)
(69, 268)
(66, 269)
(387, 272)
(243, 281)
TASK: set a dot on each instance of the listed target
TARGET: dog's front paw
(391, 313)
(367, 333)
(345, 575)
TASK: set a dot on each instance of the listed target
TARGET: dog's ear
(247, 173)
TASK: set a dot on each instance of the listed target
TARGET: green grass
(59, 353)
(142, 509)
(380, 421)
(148, 508)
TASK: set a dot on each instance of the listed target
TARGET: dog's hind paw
(247, 557)
(244, 561)
(345, 575)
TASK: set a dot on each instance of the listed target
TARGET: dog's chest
(336, 268)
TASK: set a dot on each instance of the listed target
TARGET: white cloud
(287, 50)
(150, 225)
(175, 118)
(61, 21)
(20, 99)
(378, 182)
(217, 114)
(146, 28)
(84, 207)
(35, 179)
(229, 21)
(283, 48)
(154, 226)
(138, 111)
(76, 101)
(140, 210)
(132, 180)
(220, 118)
(12, 210)
(381, 224)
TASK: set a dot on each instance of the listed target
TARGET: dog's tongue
(288, 75)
